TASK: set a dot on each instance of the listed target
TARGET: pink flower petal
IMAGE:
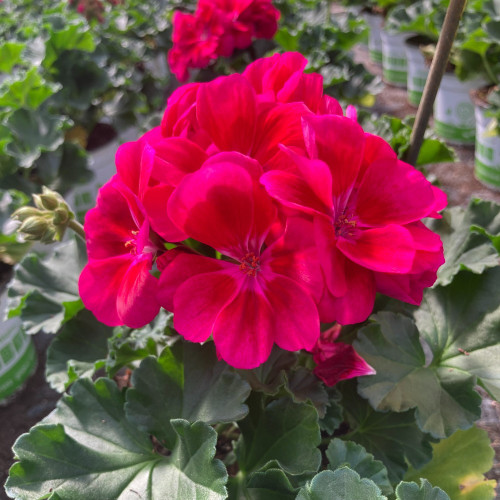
(226, 109)
(339, 142)
(296, 321)
(200, 300)
(393, 192)
(244, 330)
(175, 158)
(180, 267)
(215, 206)
(356, 304)
(387, 249)
(342, 363)
(136, 302)
(155, 203)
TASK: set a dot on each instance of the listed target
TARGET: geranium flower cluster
(279, 212)
(216, 29)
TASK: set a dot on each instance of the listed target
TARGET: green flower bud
(50, 235)
(34, 226)
(25, 212)
(61, 216)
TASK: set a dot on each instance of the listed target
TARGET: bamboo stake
(438, 66)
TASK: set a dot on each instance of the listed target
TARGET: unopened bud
(34, 226)
(49, 202)
(50, 235)
(25, 212)
(61, 216)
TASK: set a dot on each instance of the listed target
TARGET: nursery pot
(487, 151)
(394, 66)
(17, 354)
(102, 163)
(374, 22)
(418, 70)
(453, 110)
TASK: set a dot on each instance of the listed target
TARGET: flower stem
(77, 228)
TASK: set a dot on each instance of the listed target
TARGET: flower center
(131, 245)
(345, 225)
(250, 264)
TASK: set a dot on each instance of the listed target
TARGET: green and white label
(487, 152)
(17, 355)
(374, 40)
(394, 63)
(417, 74)
(454, 112)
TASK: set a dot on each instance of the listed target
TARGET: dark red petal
(393, 192)
(227, 110)
(200, 300)
(387, 249)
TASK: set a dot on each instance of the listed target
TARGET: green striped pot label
(414, 97)
(376, 55)
(395, 76)
(449, 132)
(18, 362)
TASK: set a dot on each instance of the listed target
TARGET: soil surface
(36, 400)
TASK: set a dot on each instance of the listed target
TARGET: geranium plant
(270, 226)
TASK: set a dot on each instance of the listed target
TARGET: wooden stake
(438, 67)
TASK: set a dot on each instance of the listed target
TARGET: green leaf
(28, 90)
(33, 131)
(73, 35)
(348, 454)
(334, 412)
(285, 433)
(186, 381)
(461, 324)
(304, 386)
(392, 438)
(434, 151)
(270, 376)
(10, 55)
(463, 234)
(87, 449)
(79, 350)
(458, 465)
(41, 294)
(411, 491)
(272, 484)
(342, 484)
(445, 400)
(127, 345)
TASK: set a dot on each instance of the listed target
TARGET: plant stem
(77, 228)
(438, 66)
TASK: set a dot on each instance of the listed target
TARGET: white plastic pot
(102, 164)
(394, 65)
(487, 152)
(453, 110)
(418, 71)
(375, 22)
(17, 354)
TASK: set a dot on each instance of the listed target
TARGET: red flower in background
(216, 29)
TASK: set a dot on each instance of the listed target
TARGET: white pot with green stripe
(17, 354)
(487, 152)
(453, 110)
(374, 22)
(394, 64)
(418, 71)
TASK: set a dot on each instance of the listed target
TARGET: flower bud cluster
(47, 221)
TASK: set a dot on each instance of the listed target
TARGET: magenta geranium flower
(116, 284)
(365, 204)
(257, 293)
(217, 28)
